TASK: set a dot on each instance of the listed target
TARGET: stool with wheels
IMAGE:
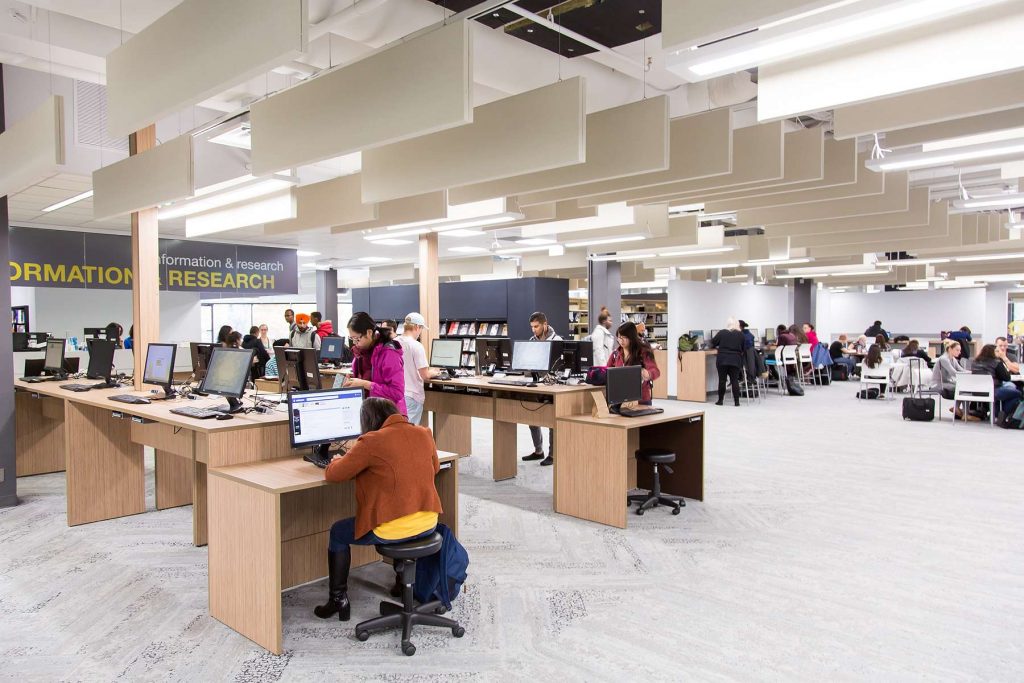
(656, 456)
(408, 614)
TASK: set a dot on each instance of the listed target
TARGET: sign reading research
(88, 260)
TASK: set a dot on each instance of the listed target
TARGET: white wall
(707, 305)
(918, 313)
(68, 311)
(822, 314)
(997, 315)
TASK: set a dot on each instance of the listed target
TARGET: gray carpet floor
(837, 542)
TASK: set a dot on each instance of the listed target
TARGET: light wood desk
(455, 402)
(660, 389)
(39, 433)
(269, 528)
(103, 444)
(697, 375)
(595, 464)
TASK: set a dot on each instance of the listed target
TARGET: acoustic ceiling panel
(916, 214)
(148, 179)
(953, 49)
(699, 146)
(430, 206)
(412, 89)
(33, 147)
(757, 157)
(891, 240)
(506, 138)
(621, 141)
(324, 204)
(686, 23)
(196, 50)
(895, 198)
(959, 127)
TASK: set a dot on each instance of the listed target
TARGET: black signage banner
(89, 260)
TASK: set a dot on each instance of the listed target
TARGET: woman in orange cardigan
(393, 464)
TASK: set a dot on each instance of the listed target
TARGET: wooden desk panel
(661, 384)
(39, 434)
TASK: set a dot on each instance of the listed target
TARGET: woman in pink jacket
(635, 351)
(377, 367)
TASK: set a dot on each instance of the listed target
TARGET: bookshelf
(650, 309)
(19, 319)
(469, 331)
(579, 323)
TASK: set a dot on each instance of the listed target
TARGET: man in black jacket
(876, 330)
(252, 341)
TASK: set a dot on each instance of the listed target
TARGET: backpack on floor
(840, 373)
(919, 409)
(794, 389)
(824, 376)
(868, 393)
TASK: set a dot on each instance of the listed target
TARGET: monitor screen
(200, 352)
(624, 384)
(159, 364)
(319, 417)
(577, 355)
(54, 361)
(446, 353)
(531, 356)
(332, 348)
(769, 334)
(228, 372)
(101, 358)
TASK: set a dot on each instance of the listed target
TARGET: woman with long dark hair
(635, 351)
(988, 363)
(222, 335)
(377, 367)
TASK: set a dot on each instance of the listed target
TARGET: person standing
(729, 360)
(748, 336)
(602, 339)
(304, 336)
(265, 336)
(222, 335)
(378, 366)
(262, 356)
(289, 317)
(542, 331)
(324, 328)
(635, 351)
(875, 330)
(417, 371)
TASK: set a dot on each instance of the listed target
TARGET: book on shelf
(467, 360)
(494, 330)
(464, 329)
(453, 327)
(472, 345)
(504, 329)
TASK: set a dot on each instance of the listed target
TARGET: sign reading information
(88, 260)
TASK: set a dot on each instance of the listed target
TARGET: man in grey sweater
(542, 332)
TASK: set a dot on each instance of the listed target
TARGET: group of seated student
(838, 351)
(913, 350)
(991, 360)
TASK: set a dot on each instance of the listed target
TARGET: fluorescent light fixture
(391, 242)
(696, 252)
(468, 250)
(375, 259)
(650, 284)
(303, 252)
(414, 232)
(630, 256)
(279, 206)
(479, 222)
(212, 199)
(794, 276)
(775, 262)
(616, 257)
(711, 266)
(858, 272)
(931, 278)
(525, 250)
(307, 265)
(605, 240)
(686, 208)
(1002, 277)
(911, 160)
(68, 202)
(238, 136)
(535, 241)
(462, 232)
(999, 201)
(967, 140)
(988, 257)
(912, 261)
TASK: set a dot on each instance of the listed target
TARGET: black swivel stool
(407, 614)
(656, 456)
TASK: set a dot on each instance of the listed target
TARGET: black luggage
(795, 389)
(918, 409)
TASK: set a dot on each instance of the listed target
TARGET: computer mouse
(225, 416)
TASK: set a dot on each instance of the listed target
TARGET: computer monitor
(19, 341)
(297, 369)
(38, 337)
(332, 349)
(101, 360)
(496, 352)
(53, 362)
(200, 353)
(625, 385)
(769, 334)
(324, 416)
(532, 356)
(160, 366)
(227, 375)
(577, 356)
(94, 332)
(713, 333)
(446, 353)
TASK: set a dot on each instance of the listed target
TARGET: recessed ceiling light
(495, 15)
(303, 252)
(374, 259)
(529, 30)
(67, 202)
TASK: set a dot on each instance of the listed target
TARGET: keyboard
(198, 413)
(321, 462)
(640, 412)
(514, 382)
(41, 378)
(129, 398)
(81, 387)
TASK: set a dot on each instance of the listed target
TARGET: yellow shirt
(406, 527)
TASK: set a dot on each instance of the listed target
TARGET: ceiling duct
(730, 90)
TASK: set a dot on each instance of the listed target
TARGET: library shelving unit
(469, 331)
(579, 322)
(19, 319)
(650, 309)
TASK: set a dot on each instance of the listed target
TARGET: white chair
(780, 368)
(805, 357)
(790, 359)
(874, 377)
(975, 389)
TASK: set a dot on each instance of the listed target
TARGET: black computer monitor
(324, 416)
(160, 366)
(53, 363)
(227, 376)
(577, 356)
(95, 332)
(496, 352)
(769, 334)
(297, 369)
(38, 337)
(101, 360)
(446, 353)
(625, 385)
(19, 341)
(200, 352)
(332, 349)
(533, 357)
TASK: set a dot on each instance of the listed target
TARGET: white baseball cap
(416, 319)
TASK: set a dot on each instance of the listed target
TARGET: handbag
(918, 409)
(598, 376)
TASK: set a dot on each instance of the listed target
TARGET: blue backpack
(440, 576)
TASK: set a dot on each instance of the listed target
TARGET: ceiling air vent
(91, 118)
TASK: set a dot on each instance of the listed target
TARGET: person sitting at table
(222, 335)
(836, 351)
(946, 368)
(881, 343)
(393, 465)
(913, 350)
(234, 340)
(261, 356)
(873, 361)
(785, 336)
(987, 362)
(875, 330)
(1002, 347)
(812, 336)
(962, 335)
(748, 336)
(270, 372)
(635, 351)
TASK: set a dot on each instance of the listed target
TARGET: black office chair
(407, 614)
(656, 456)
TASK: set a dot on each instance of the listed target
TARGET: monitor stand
(108, 383)
(234, 406)
(536, 377)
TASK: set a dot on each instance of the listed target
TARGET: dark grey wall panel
(9, 486)
(481, 300)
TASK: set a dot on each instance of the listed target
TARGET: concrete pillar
(604, 288)
(8, 471)
(802, 298)
(327, 297)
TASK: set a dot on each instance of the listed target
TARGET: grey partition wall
(387, 303)
(547, 295)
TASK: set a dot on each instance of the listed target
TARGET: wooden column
(429, 289)
(145, 266)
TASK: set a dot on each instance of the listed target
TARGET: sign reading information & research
(89, 260)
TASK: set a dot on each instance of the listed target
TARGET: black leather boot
(337, 588)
